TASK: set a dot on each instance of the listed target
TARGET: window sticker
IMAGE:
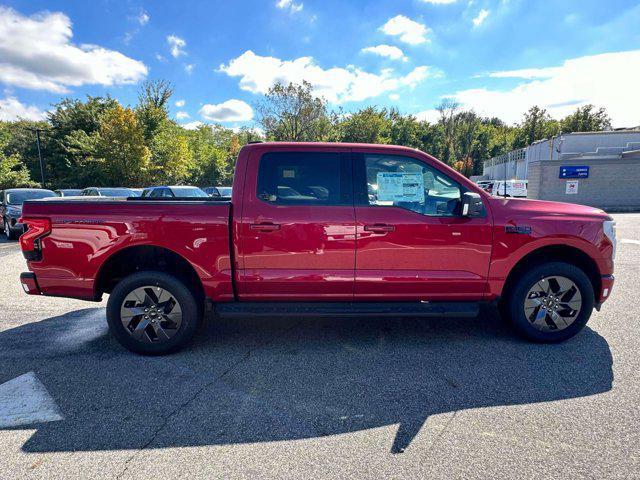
(289, 174)
(400, 187)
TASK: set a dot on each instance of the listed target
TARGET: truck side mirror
(472, 205)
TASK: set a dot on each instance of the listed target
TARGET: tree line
(99, 142)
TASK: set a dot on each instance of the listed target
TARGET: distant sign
(572, 187)
(574, 172)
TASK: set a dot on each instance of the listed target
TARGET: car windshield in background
(225, 191)
(188, 192)
(116, 192)
(19, 197)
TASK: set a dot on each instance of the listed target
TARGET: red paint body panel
(316, 253)
(86, 233)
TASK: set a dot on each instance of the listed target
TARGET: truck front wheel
(152, 313)
(550, 303)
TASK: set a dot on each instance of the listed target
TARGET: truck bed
(86, 233)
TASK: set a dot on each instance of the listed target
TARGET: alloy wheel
(151, 314)
(553, 303)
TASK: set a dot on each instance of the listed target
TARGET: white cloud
(176, 46)
(389, 51)
(189, 68)
(432, 115)
(180, 103)
(11, 109)
(182, 115)
(394, 97)
(191, 125)
(481, 17)
(143, 18)
(407, 30)
(607, 80)
(258, 74)
(289, 5)
(230, 111)
(36, 52)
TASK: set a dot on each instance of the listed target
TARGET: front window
(19, 197)
(408, 183)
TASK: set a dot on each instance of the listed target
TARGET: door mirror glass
(472, 205)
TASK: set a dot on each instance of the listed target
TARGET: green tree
(172, 160)
(152, 112)
(293, 113)
(586, 119)
(536, 125)
(14, 173)
(122, 156)
(368, 125)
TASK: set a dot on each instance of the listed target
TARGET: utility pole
(38, 130)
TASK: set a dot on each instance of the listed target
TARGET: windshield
(19, 197)
(188, 192)
(116, 192)
(225, 191)
(69, 192)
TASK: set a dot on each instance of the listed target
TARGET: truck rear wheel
(550, 303)
(152, 313)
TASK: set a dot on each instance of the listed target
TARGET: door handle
(265, 226)
(379, 228)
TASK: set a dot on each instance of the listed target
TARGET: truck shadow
(263, 380)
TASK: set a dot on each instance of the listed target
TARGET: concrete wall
(612, 182)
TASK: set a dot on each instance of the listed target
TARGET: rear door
(412, 241)
(297, 230)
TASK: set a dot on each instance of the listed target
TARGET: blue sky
(498, 57)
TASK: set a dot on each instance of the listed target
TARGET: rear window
(188, 192)
(302, 178)
(116, 192)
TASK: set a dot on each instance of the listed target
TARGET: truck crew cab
(323, 229)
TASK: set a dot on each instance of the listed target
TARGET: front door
(412, 241)
(297, 233)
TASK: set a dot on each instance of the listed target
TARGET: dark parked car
(68, 192)
(181, 191)
(218, 192)
(11, 201)
(108, 192)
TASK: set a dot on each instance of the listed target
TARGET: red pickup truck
(323, 229)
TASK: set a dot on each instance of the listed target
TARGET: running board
(348, 309)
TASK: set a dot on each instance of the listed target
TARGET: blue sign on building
(574, 172)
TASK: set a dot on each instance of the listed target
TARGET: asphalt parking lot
(321, 398)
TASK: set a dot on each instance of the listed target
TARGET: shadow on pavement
(281, 379)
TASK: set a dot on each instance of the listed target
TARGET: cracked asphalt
(327, 398)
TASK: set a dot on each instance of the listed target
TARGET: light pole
(38, 130)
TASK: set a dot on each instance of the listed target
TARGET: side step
(348, 309)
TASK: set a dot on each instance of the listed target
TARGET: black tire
(514, 304)
(191, 314)
(7, 230)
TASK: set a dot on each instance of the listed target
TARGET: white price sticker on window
(400, 187)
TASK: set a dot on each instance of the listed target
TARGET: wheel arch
(556, 253)
(138, 258)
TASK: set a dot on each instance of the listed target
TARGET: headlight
(609, 227)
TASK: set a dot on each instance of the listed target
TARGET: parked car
(68, 192)
(304, 234)
(137, 191)
(510, 188)
(486, 185)
(218, 192)
(182, 191)
(11, 201)
(107, 192)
